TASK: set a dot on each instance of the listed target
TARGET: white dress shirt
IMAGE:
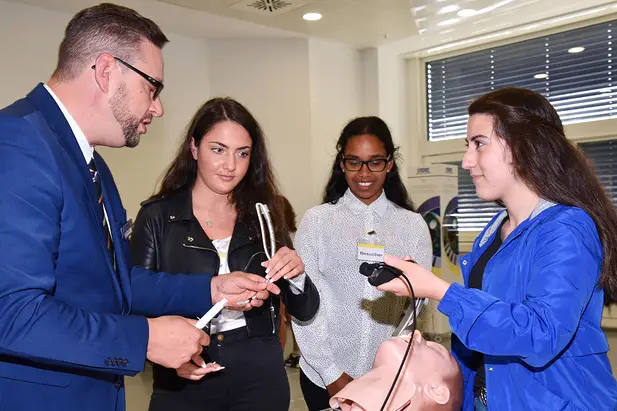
(353, 318)
(86, 149)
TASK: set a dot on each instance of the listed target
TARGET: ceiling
(366, 23)
(421, 24)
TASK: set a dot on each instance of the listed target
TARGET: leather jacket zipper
(272, 317)
(200, 248)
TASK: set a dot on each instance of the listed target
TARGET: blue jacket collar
(496, 223)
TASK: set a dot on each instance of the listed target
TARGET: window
(573, 69)
(472, 213)
(604, 156)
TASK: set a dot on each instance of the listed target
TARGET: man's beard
(124, 117)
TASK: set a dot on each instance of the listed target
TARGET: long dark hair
(257, 186)
(552, 166)
(393, 186)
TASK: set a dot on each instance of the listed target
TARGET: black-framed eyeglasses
(158, 86)
(375, 165)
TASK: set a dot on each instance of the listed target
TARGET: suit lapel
(46, 104)
(57, 122)
(116, 236)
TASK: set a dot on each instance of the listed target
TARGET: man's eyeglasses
(158, 86)
(375, 165)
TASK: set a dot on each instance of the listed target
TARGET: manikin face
(131, 104)
(488, 159)
(364, 183)
(223, 157)
(420, 383)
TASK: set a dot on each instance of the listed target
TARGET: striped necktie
(99, 191)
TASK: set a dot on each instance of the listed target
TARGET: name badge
(371, 252)
(127, 229)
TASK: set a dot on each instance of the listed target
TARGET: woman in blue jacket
(526, 325)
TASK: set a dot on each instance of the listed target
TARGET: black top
(475, 281)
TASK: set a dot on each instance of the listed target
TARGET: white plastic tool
(212, 312)
(263, 213)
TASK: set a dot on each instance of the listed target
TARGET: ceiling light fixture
(575, 50)
(541, 76)
(466, 13)
(312, 16)
(449, 9)
(448, 22)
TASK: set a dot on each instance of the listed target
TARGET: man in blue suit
(68, 298)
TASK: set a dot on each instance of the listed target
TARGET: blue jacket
(66, 334)
(537, 317)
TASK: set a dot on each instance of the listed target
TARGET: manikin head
(431, 379)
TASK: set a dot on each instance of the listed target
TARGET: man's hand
(339, 384)
(197, 369)
(173, 341)
(239, 287)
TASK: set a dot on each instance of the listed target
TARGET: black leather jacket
(168, 238)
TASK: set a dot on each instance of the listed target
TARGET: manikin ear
(194, 150)
(437, 392)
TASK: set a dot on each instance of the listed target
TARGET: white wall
(24, 66)
(336, 97)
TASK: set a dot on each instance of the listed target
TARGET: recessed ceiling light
(449, 9)
(466, 13)
(312, 16)
(575, 50)
(448, 22)
(541, 76)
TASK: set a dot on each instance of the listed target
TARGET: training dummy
(430, 380)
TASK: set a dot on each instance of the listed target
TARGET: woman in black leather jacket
(203, 219)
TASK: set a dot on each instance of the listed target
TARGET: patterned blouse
(353, 318)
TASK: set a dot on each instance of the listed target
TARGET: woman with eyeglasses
(365, 212)
(203, 219)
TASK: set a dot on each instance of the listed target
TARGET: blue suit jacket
(66, 333)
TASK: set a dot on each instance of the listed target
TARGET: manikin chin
(430, 380)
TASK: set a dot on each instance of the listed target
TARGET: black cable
(413, 330)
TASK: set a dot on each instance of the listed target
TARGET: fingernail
(263, 264)
(267, 270)
(285, 277)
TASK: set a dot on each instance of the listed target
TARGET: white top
(353, 318)
(228, 319)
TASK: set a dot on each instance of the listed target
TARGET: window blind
(578, 83)
(473, 213)
(604, 156)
